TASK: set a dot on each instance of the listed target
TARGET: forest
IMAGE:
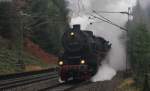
(21, 21)
(139, 45)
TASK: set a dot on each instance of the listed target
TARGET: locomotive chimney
(76, 27)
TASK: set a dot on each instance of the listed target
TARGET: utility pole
(128, 25)
(20, 38)
(129, 13)
(20, 62)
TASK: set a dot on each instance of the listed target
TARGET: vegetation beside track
(9, 59)
(139, 46)
(128, 85)
(41, 21)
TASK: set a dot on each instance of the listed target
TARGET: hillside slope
(9, 59)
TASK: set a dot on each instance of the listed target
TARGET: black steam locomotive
(83, 53)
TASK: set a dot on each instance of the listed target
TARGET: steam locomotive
(83, 53)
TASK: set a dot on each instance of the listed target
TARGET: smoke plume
(80, 10)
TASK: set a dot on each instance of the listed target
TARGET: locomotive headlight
(61, 62)
(82, 61)
(72, 33)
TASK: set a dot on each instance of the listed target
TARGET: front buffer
(74, 72)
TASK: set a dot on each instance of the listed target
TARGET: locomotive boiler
(83, 53)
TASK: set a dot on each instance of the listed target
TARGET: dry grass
(127, 85)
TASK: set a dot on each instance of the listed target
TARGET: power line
(123, 12)
(102, 18)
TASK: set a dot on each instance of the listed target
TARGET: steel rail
(65, 86)
(20, 79)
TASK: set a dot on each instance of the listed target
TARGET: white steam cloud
(105, 73)
(78, 7)
(80, 10)
(83, 20)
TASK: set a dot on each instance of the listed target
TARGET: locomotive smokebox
(73, 39)
(76, 27)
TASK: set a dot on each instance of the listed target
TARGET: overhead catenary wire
(102, 18)
(123, 12)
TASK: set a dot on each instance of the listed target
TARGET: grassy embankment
(9, 59)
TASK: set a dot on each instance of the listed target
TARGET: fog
(144, 3)
(80, 10)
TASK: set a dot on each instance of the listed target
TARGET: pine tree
(5, 16)
(48, 24)
(139, 45)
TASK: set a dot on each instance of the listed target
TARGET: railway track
(44, 80)
(57, 87)
(65, 87)
(29, 81)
